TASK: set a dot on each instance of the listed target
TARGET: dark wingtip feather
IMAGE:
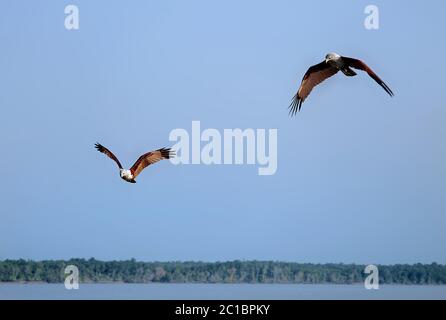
(295, 105)
(167, 153)
(384, 86)
(388, 90)
(98, 146)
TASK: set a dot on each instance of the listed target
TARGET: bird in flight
(145, 160)
(329, 67)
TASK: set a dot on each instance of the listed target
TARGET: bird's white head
(332, 57)
(125, 174)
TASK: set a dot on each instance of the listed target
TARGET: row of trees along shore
(132, 271)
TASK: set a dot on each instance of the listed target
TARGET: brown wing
(314, 76)
(107, 152)
(150, 158)
(358, 64)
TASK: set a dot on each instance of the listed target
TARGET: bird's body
(332, 64)
(143, 161)
(335, 61)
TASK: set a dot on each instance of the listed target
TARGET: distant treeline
(132, 271)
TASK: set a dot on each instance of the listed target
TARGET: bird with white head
(332, 64)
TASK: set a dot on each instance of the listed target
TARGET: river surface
(218, 291)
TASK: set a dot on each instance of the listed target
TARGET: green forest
(132, 271)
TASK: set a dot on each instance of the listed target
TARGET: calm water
(217, 291)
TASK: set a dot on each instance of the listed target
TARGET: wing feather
(150, 158)
(360, 65)
(314, 76)
(108, 153)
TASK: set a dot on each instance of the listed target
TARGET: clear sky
(361, 176)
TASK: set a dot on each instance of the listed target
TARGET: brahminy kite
(145, 160)
(326, 69)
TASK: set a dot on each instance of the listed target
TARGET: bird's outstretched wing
(358, 64)
(314, 76)
(150, 158)
(107, 152)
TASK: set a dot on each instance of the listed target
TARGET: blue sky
(361, 177)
